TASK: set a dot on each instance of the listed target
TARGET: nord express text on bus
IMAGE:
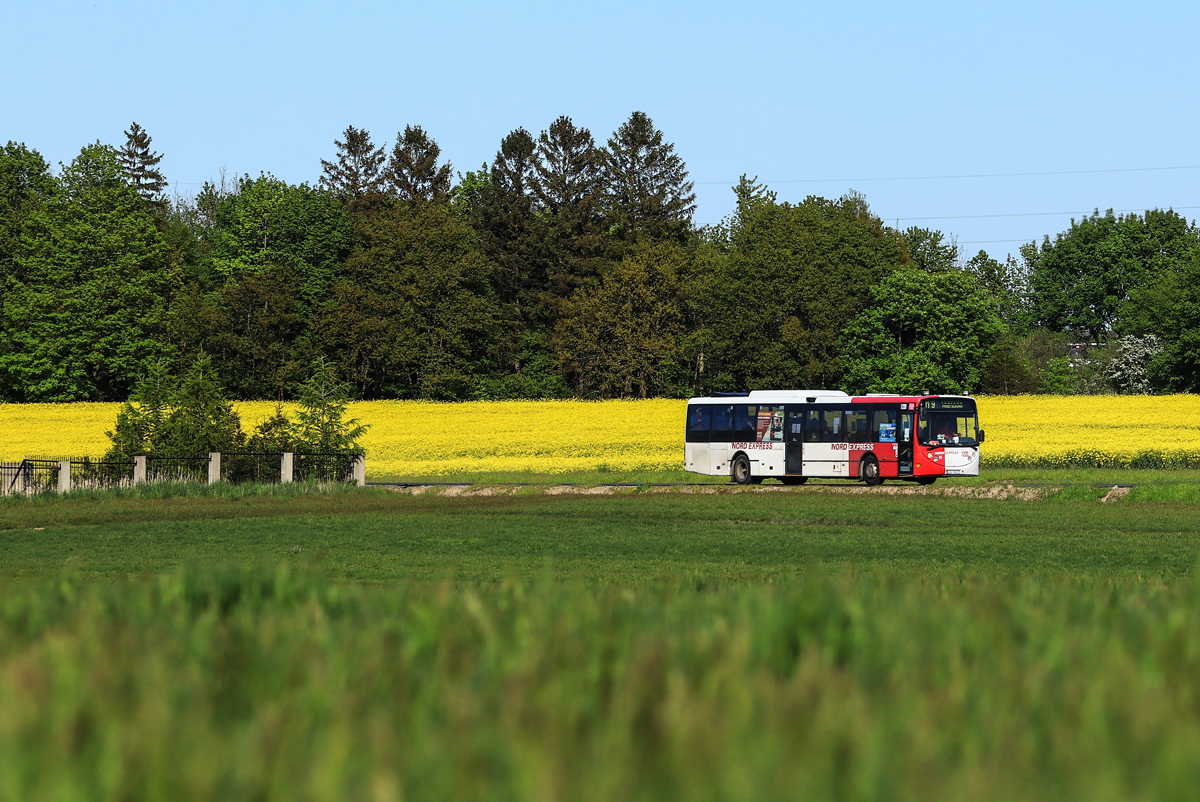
(792, 435)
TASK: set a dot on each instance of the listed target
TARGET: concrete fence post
(285, 468)
(64, 476)
(10, 477)
(214, 467)
(360, 470)
(139, 470)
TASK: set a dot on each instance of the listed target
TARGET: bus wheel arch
(868, 471)
(740, 470)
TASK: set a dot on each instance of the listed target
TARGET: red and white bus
(792, 435)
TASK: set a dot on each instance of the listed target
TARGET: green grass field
(313, 644)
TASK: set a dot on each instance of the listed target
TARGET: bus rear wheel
(869, 471)
(739, 469)
(793, 480)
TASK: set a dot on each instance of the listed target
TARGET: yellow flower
(414, 438)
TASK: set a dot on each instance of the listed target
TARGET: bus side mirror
(981, 434)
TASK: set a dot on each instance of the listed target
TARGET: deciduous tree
(414, 313)
(775, 285)
(931, 250)
(617, 337)
(269, 222)
(91, 308)
(1082, 281)
(922, 332)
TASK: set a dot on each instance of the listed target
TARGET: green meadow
(257, 643)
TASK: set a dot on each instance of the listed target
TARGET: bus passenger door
(904, 444)
(794, 442)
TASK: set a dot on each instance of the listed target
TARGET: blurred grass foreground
(276, 684)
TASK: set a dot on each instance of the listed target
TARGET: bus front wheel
(927, 480)
(793, 480)
(739, 469)
(869, 471)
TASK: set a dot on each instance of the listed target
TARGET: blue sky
(795, 93)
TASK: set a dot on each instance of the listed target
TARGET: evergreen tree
(646, 184)
(142, 165)
(359, 169)
(142, 419)
(413, 173)
(166, 417)
(202, 418)
(566, 185)
(567, 172)
(511, 234)
(321, 424)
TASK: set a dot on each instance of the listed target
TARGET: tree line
(567, 267)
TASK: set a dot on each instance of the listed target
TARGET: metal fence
(245, 466)
(328, 467)
(89, 473)
(39, 474)
(177, 469)
(29, 476)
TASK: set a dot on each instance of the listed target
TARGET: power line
(968, 175)
(1022, 214)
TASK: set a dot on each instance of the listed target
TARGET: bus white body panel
(826, 459)
(962, 461)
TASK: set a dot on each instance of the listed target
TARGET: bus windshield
(948, 422)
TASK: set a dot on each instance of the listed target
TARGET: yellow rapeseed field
(411, 438)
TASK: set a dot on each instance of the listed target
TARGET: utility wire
(1023, 214)
(968, 175)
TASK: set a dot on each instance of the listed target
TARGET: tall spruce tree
(566, 185)
(645, 183)
(359, 169)
(567, 172)
(142, 165)
(413, 172)
(505, 222)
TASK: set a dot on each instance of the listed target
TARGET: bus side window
(883, 428)
(722, 424)
(795, 425)
(856, 425)
(834, 430)
(699, 421)
(745, 421)
(812, 427)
